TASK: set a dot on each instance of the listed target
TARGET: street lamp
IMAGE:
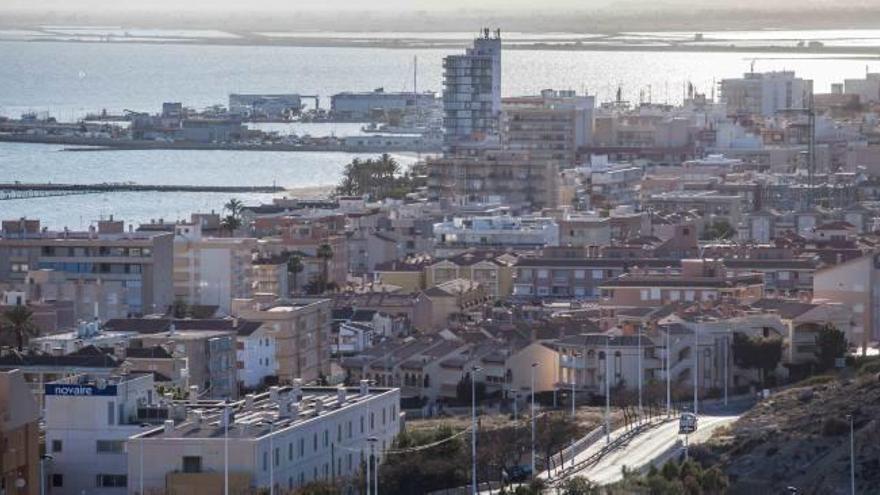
(668, 386)
(474, 371)
(43, 459)
(373, 441)
(226, 447)
(641, 373)
(696, 373)
(534, 365)
(608, 388)
(852, 456)
(271, 458)
(141, 460)
(575, 357)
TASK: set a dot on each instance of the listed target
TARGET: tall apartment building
(106, 271)
(472, 91)
(211, 270)
(298, 331)
(765, 93)
(509, 177)
(551, 126)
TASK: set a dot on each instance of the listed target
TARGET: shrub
(833, 427)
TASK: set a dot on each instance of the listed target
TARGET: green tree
(720, 229)
(422, 470)
(232, 221)
(759, 353)
(830, 345)
(579, 485)
(18, 321)
(319, 488)
(295, 266)
(180, 309)
(325, 254)
(377, 178)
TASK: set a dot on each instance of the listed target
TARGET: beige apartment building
(856, 284)
(514, 178)
(300, 329)
(19, 435)
(111, 271)
(697, 280)
(551, 127)
(212, 270)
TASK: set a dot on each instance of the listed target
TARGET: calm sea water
(71, 79)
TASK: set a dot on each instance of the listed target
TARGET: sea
(68, 79)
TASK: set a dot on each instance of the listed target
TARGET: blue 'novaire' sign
(79, 390)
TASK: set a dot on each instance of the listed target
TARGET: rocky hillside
(800, 437)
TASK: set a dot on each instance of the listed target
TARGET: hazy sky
(407, 5)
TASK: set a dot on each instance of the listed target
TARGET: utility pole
(474, 372)
(641, 373)
(534, 365)
(852, 457)
(668, 385)
(696, 373)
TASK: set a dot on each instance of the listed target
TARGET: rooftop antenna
(415, 74)
(753, 66)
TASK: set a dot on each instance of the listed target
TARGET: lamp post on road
(474, 371)
(641, 373)
(574, 383)
(668, 385)
(852, 456)
(608, 388)
(534, 366)
(43, 459)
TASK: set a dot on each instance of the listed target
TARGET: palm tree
(294, 267)
(234, 206)
(231, 223)
(18, 320)
(325, 254)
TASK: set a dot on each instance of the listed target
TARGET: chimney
(365, 387)
(169, 426)
(319, 407)
(193, 394)
(293, 410)
(340, 396)
(249, 401)
(273, 393)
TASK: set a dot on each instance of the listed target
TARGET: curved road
(646, 448)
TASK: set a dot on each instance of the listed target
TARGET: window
(689, 295)
(265, 461)
(326, 438)
(57, 480)
(110, 446)
(192, 464)
(57, 446)
(372, 421)
(315, 443)
(644, 294)
(339, 433)
(277, 456)
(542, 273)
(290, 451)
(579, 274)
(783, 275)
(674, 295)
(111, 413)
(597, 274)
(302, 447)
(655, 293)
(112, 481)
(349, 429)
(362, 424)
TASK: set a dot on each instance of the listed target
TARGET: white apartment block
(211, 270)
(88, 421)
(287, 437)
(765, 93)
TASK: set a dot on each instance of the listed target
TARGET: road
(644, 449)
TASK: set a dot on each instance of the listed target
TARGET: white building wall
(257, 358)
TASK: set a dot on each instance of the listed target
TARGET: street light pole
(369, 479)
(668, 386)
(696, 373)
(373, 441)
(43, 459)
(534, 365)
(575, 357)
(726, 372)
(607, 389)
(474, 372)
(271, 458)
(852, 457)
(641, 373)
(226, 448)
